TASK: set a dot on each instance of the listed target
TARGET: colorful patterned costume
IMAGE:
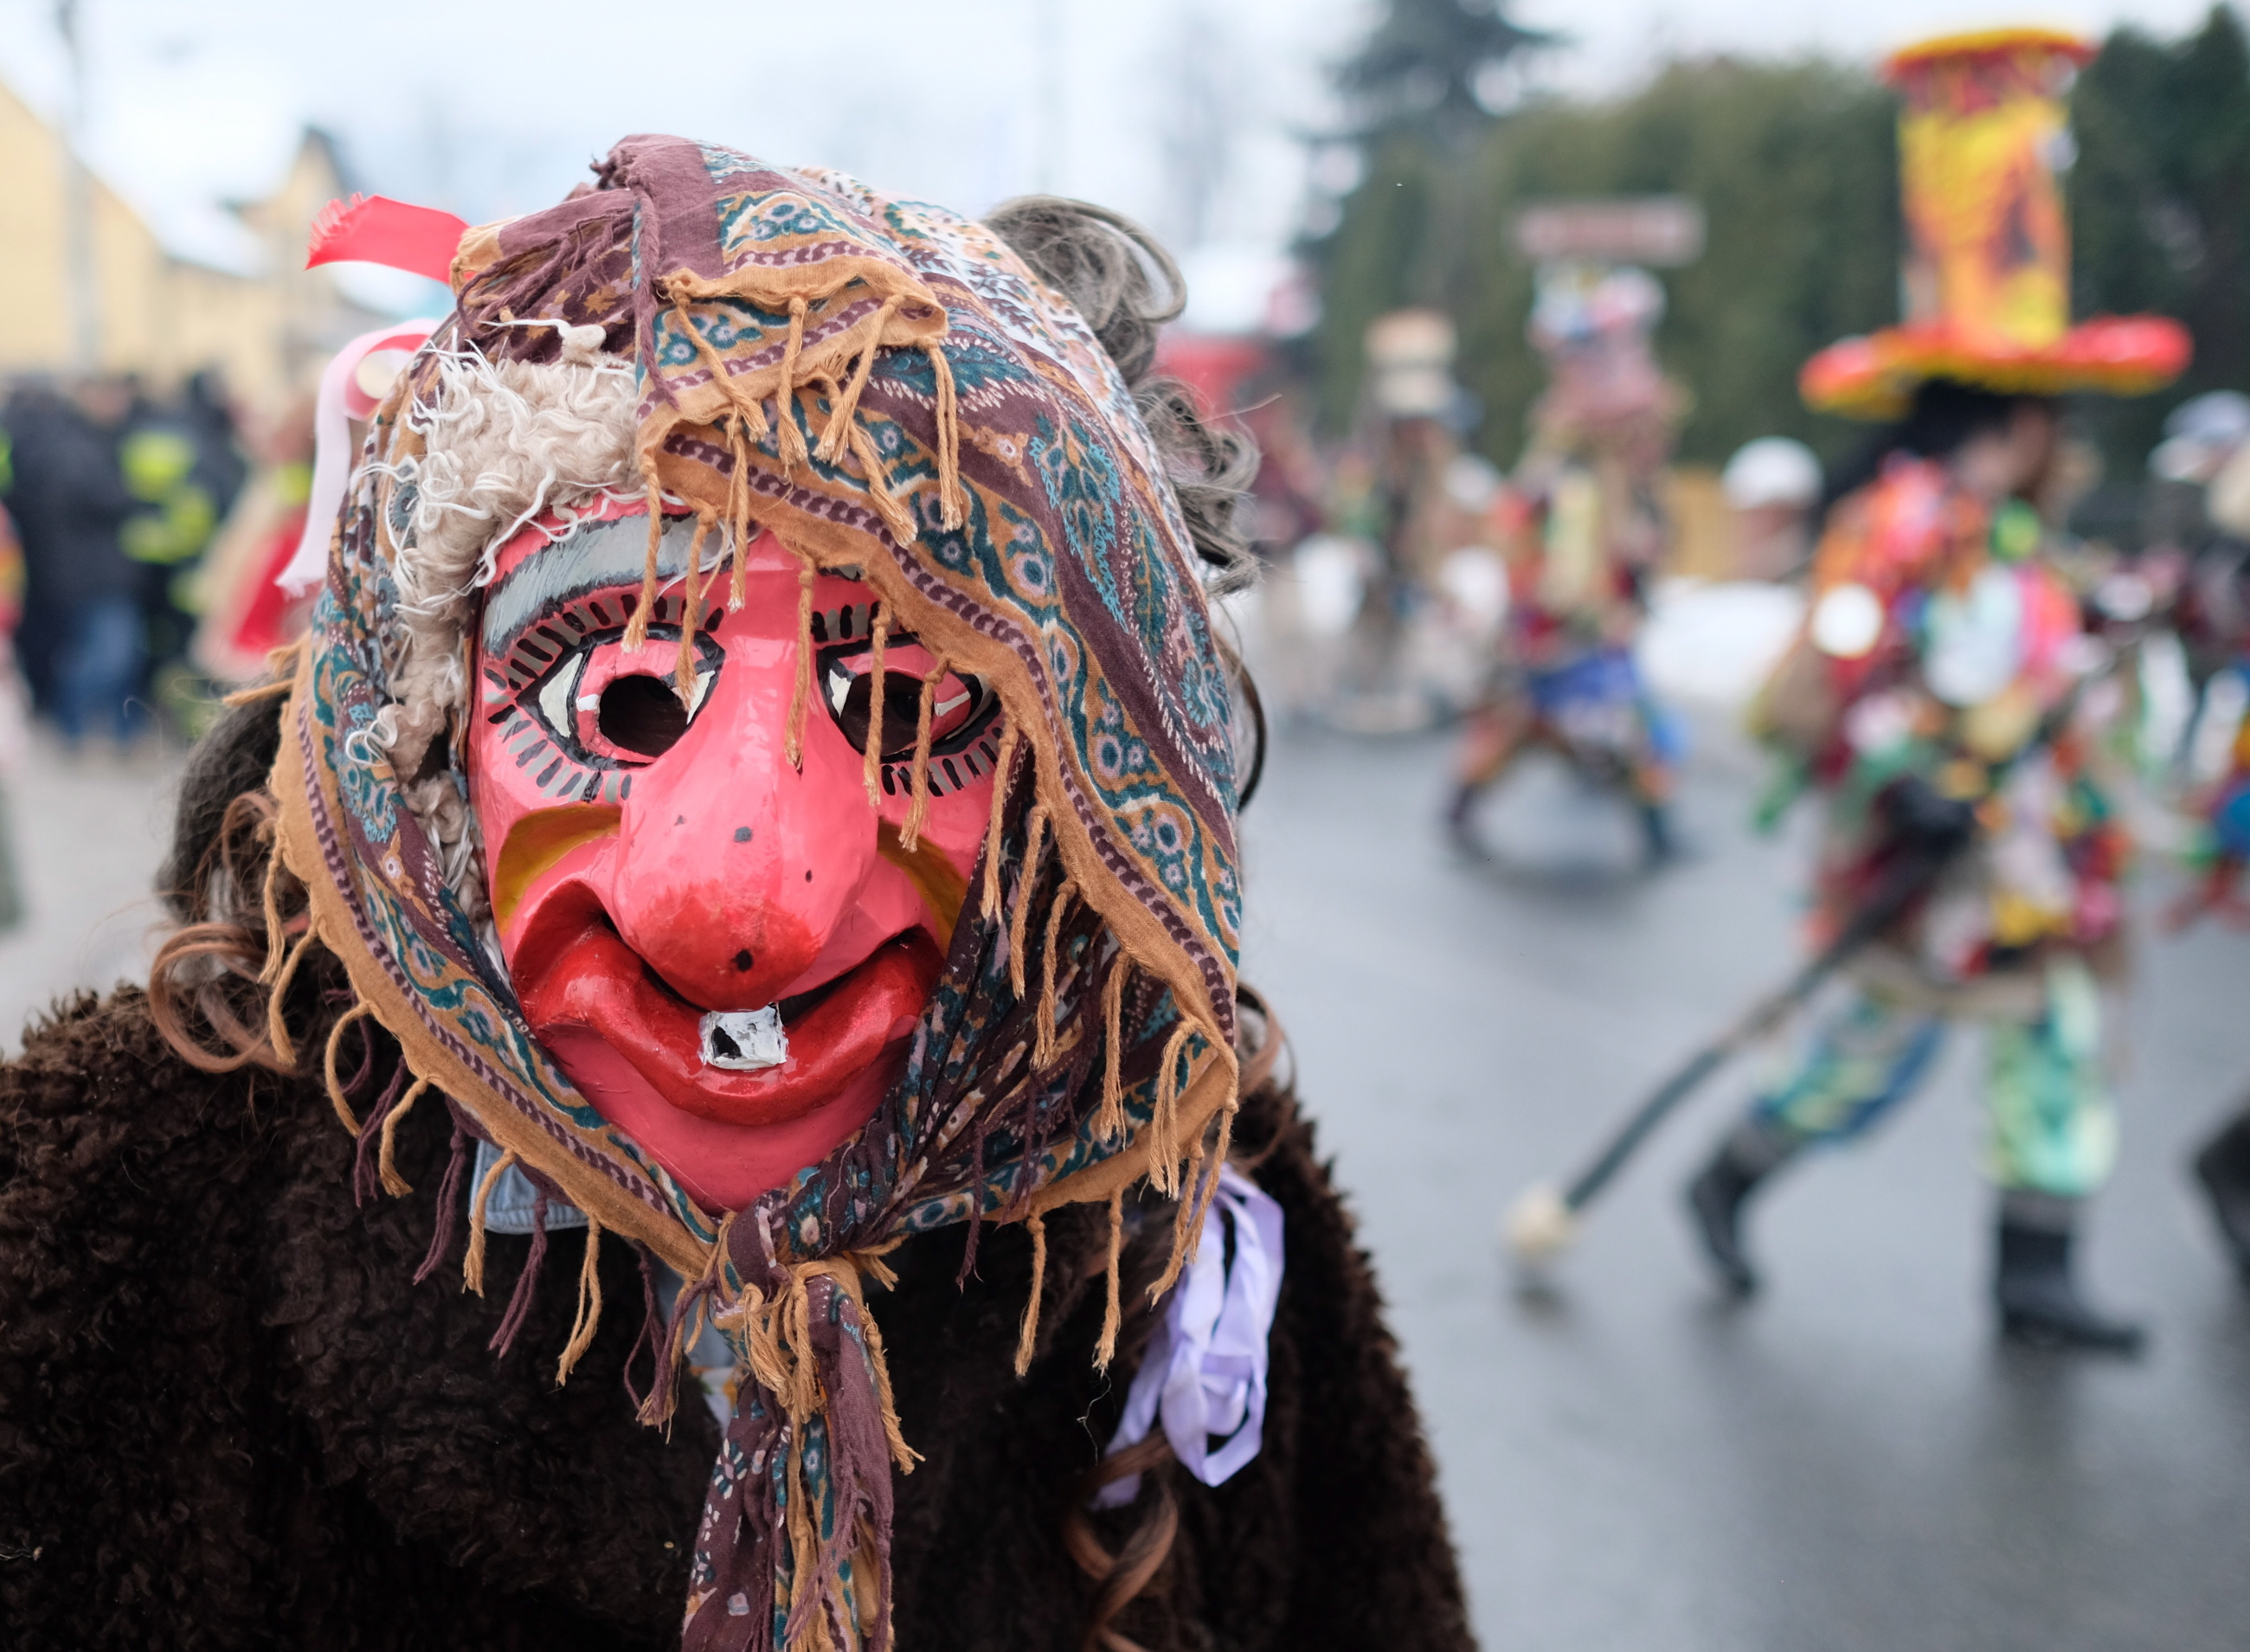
(1931, 698)
(1975, 654)
(1583, 530)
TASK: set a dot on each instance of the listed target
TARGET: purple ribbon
(1205, 1372)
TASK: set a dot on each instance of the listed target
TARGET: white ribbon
(1205, 1372)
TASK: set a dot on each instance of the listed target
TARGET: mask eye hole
(641, 714)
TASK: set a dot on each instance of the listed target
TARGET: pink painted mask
(726, 953)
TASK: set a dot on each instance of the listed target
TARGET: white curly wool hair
(502, 443)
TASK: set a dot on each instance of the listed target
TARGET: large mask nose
(735, 869)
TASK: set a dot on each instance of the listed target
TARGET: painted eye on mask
(578, 710)
(964, 715)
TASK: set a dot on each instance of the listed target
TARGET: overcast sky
(494, 107)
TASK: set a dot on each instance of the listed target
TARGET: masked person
(754, 812)
(1584, 533)
(1930, 699)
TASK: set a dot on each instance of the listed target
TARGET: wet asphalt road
(1633, 1465)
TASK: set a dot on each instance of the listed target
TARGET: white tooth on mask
(744, 1041)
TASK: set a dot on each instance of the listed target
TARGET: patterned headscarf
(888, 388)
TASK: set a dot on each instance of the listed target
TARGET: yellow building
(160, 315)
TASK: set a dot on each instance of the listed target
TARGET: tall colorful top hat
(1987, 277)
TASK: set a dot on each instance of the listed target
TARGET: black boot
(1657, 848)
(2038, 1302)
(1715, 1197)
(2223, 1167)
(1458, 825)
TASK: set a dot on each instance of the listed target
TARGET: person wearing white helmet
(1773, 486)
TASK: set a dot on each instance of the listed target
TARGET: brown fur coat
(229, 1418)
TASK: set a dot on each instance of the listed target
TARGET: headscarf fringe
(878, 638)
(789, 440)
(1004, 774)
(845, 406)
(802, 694)
(918, 810)
(683, 668)
(1027, 881)
(276, 931)
(277, 1023)
(1106, 1350)
(636, 636)
(952, 500)
(589, 1314)
(473, 1265)
(1028, 1338)
(387, 1163)
(1109, 1121)
(336, 1100)
(1042, 1051)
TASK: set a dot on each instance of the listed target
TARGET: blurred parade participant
(1931, 698)
(247, 608)
(1584, 533)
(180, 459)
(243, 613)
(1390, 497)
(84, 649)
(2207, 450)
(2197, 531)
(1772, 484)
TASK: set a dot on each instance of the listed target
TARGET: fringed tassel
(1165, 1121)
(276, 1024)
(1106, 1350)
(473, 1265)
(518, 1301)
(1003, 773)
(1199, 1191)
(878, 637)
(952, 501)
(636, 637)
(276, 937)
(801, 694)
(651, 1335)
(683, 669)
(791, 439)
(845, 403)
(365, 1183)
(1028, 1338)
(449, 1204)
(344, 1114)
(918, 810)
(589, 1303)
(387, 1162)
(738, 511)
(1027, 881)
(1183, 1214)
(1109, 1122)
(896, 515)
(1042, 1051)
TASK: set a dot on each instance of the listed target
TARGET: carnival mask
(726, 950)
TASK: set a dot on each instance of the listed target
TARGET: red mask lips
(598, 984)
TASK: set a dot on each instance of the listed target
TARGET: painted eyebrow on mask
(603, 556)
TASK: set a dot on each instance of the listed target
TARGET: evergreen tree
(1428, 69)
(2160, 210)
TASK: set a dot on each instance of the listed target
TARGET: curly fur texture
(229, 1420)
